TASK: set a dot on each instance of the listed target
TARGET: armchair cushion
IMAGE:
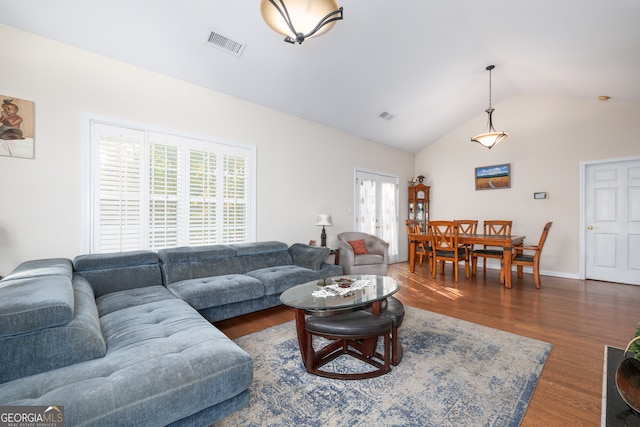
(368, 259)
(359, 248)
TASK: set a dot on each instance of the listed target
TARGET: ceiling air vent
(225, 43)
(386, 116)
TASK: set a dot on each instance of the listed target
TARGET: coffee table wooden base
(353, 334)
(354, 348)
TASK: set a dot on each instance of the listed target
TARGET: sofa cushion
(35, 303)
(192, 254)
(42, 267)
(164, 362)
(43, 349)
(218, 290)
(116, 301)
(259, 248)
(280, 278)
(119, 271)
(194, 262)
(308, 256)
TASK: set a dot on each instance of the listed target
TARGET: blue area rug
(454, 373)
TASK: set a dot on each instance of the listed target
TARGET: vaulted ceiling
(421, 61)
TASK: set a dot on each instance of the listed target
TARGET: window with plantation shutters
(153, 190)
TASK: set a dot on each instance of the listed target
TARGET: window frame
(90, 166)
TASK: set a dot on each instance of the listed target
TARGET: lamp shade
(306, 18)
(324, 220)
(491, 137)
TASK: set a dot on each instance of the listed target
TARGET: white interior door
(612, 220)
(377, 208)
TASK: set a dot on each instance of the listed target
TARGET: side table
(336, 255)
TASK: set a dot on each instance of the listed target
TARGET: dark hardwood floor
(578, 317)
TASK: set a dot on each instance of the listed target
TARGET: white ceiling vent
(233, 47)
(386, 116)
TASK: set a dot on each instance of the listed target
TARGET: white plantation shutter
(203, 203)
(165, 165)
(118, 199)
(236, 198)
(153, 190)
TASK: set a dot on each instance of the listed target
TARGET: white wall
(303, 168)
(549, 137)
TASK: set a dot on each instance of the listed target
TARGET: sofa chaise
(120, 339)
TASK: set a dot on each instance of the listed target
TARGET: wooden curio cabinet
(419, 205)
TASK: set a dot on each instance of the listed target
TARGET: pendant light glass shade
(299, 20)
(490, 138)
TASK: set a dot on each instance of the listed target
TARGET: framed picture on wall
(16, 127)
(493, 177)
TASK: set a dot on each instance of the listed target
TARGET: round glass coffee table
(335, 295)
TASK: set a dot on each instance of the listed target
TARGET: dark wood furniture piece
(506, 242)
(393, 309)
(521, 259)
(445, 246)
(491, 227)
(423, 248)
(301, 298)
(467, 226)
(419, 205)
(353, 333)
(336, 254)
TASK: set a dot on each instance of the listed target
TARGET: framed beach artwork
(16, 127)
(492, 177)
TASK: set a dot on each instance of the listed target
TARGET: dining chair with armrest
(445, 247)
(520, 259)
(495, 227)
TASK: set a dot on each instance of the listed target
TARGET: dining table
(505, 242)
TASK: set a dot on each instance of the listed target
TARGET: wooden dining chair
(520, 259)
(493, 228)
(445, 247)
(468, 226)
(422, 249)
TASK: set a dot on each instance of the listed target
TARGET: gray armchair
(374, 261)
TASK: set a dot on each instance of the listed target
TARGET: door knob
(590, 227)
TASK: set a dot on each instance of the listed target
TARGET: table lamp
(323, 220)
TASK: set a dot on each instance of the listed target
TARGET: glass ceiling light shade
(299, 20)
(491, 137)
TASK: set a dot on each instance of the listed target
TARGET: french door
(612, 220)
(376, 208)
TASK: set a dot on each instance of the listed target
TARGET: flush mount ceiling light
(299, 20)
(491, 137)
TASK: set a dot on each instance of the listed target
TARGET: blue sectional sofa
(126, 339)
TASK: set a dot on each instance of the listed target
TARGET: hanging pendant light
(299, 20)
(491, 137)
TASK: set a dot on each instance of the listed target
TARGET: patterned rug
(454, 373)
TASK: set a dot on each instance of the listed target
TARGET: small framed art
(493, 177)
(16, 127)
